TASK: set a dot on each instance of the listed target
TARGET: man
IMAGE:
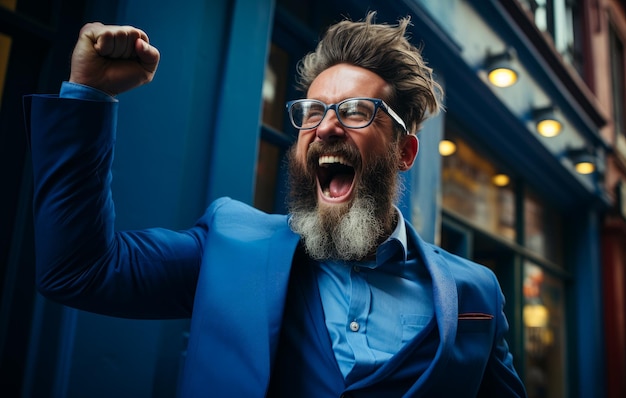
(340, 298)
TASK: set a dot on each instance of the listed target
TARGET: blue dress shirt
(373, 308)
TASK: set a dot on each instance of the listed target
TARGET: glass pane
(274, 88)
(312, 14)
(266, 176)
(544, 333)
(9, 4)
(541, 15)
(42, 11)
(542, 228)
(618, 71)
(303, 10)
(274, 92)
(5, 50)
(473, 188)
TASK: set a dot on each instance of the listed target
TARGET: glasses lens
(307, 114)
(356, 113)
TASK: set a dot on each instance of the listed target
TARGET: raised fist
(113, 58)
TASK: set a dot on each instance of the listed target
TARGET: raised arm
(81, 260)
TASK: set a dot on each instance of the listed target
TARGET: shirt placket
(357, 320)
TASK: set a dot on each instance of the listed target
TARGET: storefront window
(274, 88)
(483, 213)
(474, 189)
(542, 232)
(618, 88)
(5, 47)
(5, 50)
(39, 10)
(8, 4)
(544, 332)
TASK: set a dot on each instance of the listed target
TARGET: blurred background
(525, 171)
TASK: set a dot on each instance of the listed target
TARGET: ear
(409, 147)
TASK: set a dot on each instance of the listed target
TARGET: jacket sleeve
(500, 378)
(81, 261)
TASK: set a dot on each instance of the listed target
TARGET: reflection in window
(312, 14)
(542, 232)
(544, 333)
(618, 71)
(266, 176)
(274, 88)
(43, 11)
(5, 50)
(473, 188)
(268, 163)
(561, 20)
(5, 47)
(8, 4)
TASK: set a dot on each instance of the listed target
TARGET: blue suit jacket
(230, 273)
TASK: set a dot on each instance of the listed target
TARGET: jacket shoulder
(465, 270)
(235, 217)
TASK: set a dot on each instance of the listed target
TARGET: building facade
(510, 195)
(606, 77)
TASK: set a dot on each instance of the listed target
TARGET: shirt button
(357, 268)
(354, 326)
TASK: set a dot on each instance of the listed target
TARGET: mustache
(302, 176)
(319, 148)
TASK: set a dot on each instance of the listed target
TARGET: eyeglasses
(352, 113)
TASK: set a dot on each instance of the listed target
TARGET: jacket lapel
(282, 251)
(239, 298)
(445, 301)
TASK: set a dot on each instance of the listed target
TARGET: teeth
(326, 192)
(328, 159)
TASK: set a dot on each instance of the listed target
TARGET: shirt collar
(395, 247)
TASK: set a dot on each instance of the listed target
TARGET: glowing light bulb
(502, 77)
(446, 147)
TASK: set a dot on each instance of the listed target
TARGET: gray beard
(348, 232)
(354, 236)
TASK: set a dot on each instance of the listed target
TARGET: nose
(330, 129)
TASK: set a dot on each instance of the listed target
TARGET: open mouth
(335, 176)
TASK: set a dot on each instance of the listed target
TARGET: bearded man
(339, 298)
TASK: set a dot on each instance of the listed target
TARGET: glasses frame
(378, 104)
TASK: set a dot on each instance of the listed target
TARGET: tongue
(340, 185)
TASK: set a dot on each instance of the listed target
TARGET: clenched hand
(112, 58)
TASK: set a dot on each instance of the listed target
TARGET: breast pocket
(474, 322)
(412, 324)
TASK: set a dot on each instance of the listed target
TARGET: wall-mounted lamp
(499, 69)
(548, 125)
(500, 180)
(447, 147)
(583, 159)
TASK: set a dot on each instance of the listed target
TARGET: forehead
(345, 81)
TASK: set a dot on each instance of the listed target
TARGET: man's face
(344, 181)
